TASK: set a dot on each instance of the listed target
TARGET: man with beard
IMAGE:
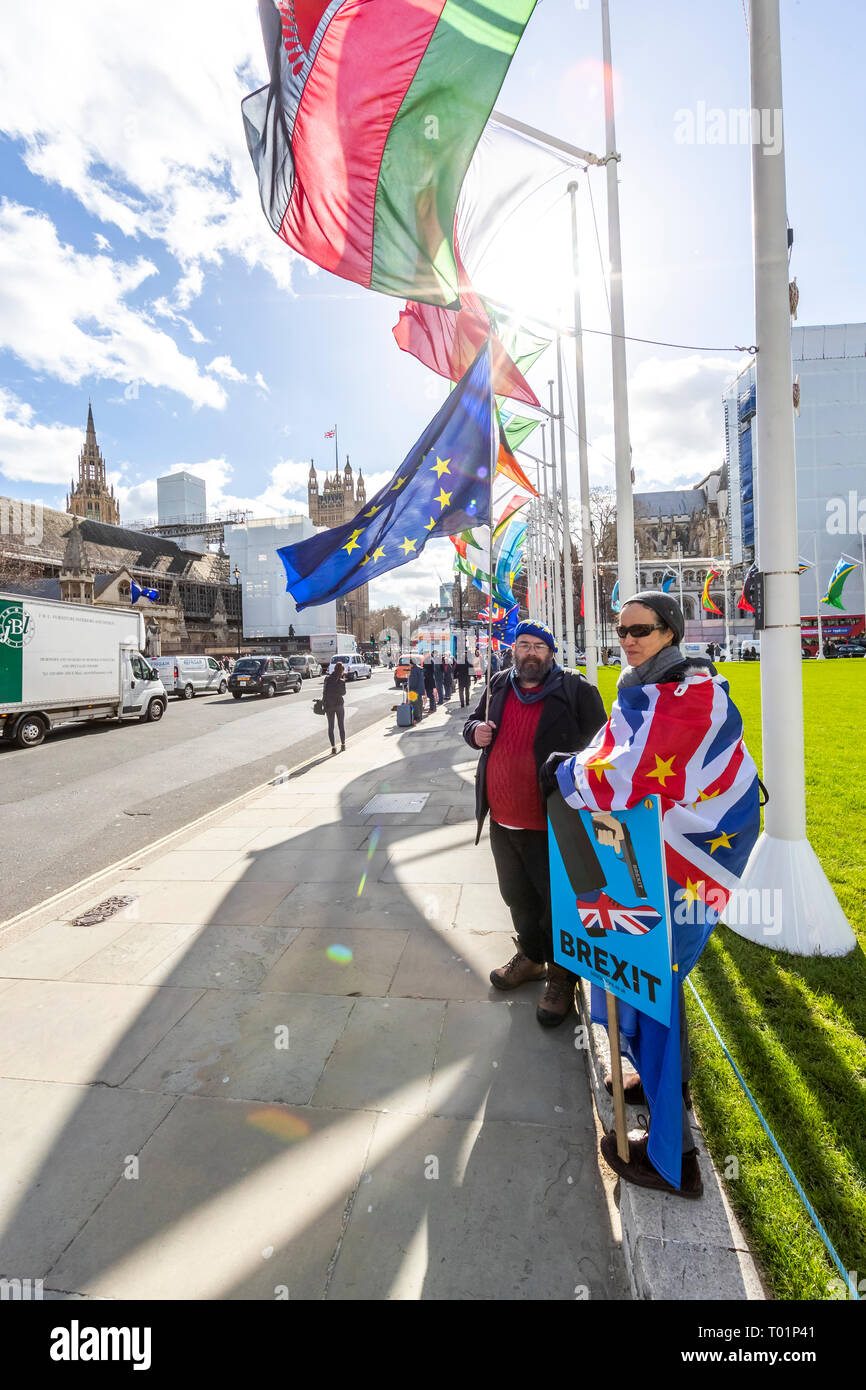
(533, 707)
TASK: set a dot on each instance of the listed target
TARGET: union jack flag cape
(683, 743)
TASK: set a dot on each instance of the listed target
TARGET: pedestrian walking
(448, 674)
(333, 698)
(669, 710)
(415, 688)
(430, 682)
(439, 677)
(532, 707)
(463, 673)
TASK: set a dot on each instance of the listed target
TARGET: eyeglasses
(639, 630)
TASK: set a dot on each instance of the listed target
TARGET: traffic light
(372, 640)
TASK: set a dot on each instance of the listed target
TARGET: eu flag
(442, 487)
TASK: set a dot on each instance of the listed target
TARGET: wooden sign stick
(616, 1075)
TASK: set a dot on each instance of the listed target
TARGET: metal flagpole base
(785, 901)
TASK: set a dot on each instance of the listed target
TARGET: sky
(138, 271)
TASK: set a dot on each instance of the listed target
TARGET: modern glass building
(829, 366)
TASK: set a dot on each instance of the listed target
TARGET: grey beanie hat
(666, 607)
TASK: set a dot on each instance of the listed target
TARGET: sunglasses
(639, 630)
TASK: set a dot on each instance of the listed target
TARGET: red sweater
(512, 777)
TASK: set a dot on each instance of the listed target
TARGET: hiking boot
(640, 1171)
(632, 1088)
(558, 997)
(520, 970)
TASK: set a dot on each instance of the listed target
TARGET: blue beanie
(531, 628)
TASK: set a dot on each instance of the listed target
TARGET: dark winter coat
(570, 716)
(333, 691)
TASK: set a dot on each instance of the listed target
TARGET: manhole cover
(102, 911)
(385, 804)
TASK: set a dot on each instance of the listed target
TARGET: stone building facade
(338, 500)
(90, 496)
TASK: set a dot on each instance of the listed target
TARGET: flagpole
(494, 450)
(820, 652)
(622, 445)
(862, 569)
(727, 599)
(680, 559)
(808, 919)
(568, 574)
(589, 609)
(556, 625)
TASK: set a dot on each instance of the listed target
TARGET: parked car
(401, 671)
(850, 649)
(306, 664)
(355, 668)
(187, 676)
(263, 675)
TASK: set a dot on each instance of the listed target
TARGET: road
(91, 795)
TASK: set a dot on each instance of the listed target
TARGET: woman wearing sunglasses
(675, 733)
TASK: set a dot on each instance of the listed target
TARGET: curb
(673, 1249)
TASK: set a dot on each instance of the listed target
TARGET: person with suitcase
(415, 687)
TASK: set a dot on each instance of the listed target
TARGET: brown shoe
(632, 1088)
(558, 998)
(640, 1171)
(520, 970)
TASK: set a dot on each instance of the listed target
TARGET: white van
(187, 676)
(355, 668)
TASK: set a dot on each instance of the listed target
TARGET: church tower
(76, 575)
(91, 497)
(337, 503)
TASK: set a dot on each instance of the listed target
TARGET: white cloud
(164, 310)
(65, 313)
(224, 367)
(261, 383)
(102, 242)
(32, 452)
(150, 138)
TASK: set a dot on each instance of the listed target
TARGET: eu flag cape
(441, 487)
(682, 742)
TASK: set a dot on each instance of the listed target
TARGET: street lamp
(237, 578)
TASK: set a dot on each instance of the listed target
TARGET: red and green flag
(364, 133)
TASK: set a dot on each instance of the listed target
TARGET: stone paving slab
(44, 1037)
(499, 1221)
(228, 1045)
(388, 1045)
(307, 865)
(224, 958)
(460, 866)
(481, 910)
(223, 904)
(54, 950)
(390, 906)
(234, 1201)
(326, 837)
(315, 963)
(140, 951)
(493, 1056)
(189, 866)
(88, 1135)
(452, 965)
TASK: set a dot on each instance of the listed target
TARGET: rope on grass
(771, 1136)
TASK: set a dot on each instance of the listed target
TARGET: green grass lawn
(796, 1026)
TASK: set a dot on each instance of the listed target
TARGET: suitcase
(404, 715)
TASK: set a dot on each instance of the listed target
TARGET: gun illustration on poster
(609, 897)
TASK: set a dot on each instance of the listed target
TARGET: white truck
(325, 645)
(68, 663)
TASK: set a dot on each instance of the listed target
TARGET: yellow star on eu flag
(440, 466)
(365, 561)
(399, 483)
(378, 553)
(443, 497)
(722, 840)
(352, 545)
(430, 524)
(663, 768)
(406, 545)
(373, 511)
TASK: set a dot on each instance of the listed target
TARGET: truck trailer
(69, 663)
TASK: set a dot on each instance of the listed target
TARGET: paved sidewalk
(281, 1071)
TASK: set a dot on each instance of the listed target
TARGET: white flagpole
(567, 575)
(556, 625)
(818, 603)
(863, 569)
(590, 643)
(807, 918)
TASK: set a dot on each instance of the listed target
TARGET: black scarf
(551, 682)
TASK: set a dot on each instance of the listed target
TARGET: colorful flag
(329, 434)
(442, 486)
(137, 593)
(363, 136)
(667, 581)
(683, 743)
(706, 602)
(804, 565)
(614, 598)
(744, 602)
(517, 428)
(833, 596)
(599, 914)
